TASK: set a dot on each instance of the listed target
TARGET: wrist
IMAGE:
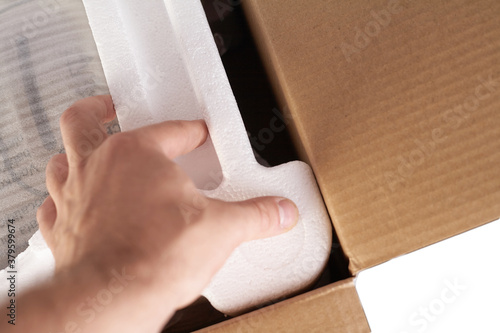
(131, 296)
(91, 298)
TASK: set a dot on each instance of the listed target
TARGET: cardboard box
(396, 106)
(335, 307)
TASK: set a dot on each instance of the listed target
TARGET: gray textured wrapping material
(48, 60)
(168, 41)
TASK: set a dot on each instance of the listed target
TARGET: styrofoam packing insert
(161, 63)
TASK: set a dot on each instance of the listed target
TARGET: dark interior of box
(258, 107)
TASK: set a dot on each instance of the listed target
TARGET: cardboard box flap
(396, 106)
(334, 308)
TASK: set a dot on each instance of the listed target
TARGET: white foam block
(451, 286)
(164, 51)
(161, 63)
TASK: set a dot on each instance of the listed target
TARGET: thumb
(258, 217)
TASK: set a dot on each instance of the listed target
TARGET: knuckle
(264, 213)
(178, 123)
(70, 116)
(58, 162)
(39, 214)
(57, 168)
(182, 126)
(122, 142)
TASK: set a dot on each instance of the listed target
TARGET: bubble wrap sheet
(48, 60)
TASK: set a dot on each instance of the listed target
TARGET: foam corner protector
(161, 63)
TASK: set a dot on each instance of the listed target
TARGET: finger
(256, 218)
(46, 217)
(176, 138)
(82, 126)
(229, 224)
(56, 174)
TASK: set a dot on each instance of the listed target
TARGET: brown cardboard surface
(334, 308)
(396, 106)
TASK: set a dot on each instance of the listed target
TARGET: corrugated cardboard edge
(337, 305)
(359, 259)
(334, 308)
(272, 66)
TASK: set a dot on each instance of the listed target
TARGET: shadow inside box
(196, 316)
(201, 313)
(260, 113)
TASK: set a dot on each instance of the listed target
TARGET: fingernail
(289, 213)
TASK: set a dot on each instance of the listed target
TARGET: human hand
(121, 201)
